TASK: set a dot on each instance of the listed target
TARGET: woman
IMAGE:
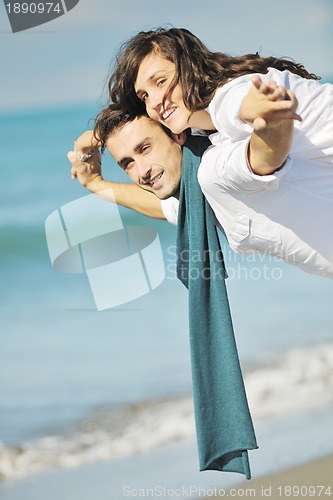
(177, 79)
(271, 185)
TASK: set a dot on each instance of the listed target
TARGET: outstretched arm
(89, 175)
(271, 110)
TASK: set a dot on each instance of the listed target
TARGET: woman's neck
(201, 119)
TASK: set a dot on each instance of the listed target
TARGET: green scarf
(223, 422)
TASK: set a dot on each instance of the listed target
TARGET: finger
(291, 115)
(72, 157)
(73, 173)
(281, 105)
(281, 94)
(267, 88)
(291, 96)
(75, 160)
(284, 115)
(256, 82)
(259, 124)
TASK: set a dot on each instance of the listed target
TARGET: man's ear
(179, 138)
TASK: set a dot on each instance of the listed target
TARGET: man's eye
(127, 166)
(145, 149)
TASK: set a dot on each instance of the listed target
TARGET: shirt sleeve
(170, 209)
(228, 167)
(224, 112)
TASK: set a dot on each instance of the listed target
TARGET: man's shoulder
(170, 208)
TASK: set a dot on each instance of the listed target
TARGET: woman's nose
(155, 100)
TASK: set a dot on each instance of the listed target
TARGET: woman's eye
(144, 97)
(160, 82)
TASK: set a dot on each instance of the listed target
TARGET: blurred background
(98, 404)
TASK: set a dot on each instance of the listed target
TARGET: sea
(97, 403)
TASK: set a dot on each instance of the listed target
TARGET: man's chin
(162, 194)
(170, 194)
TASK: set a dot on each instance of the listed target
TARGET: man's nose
(144, 170)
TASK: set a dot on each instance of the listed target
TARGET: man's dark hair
(109, 120)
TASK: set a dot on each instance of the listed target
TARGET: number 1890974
(34, 8)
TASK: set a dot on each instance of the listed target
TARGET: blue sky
(67, 60)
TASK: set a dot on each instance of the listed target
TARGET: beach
(95, 402)
(171, 470)
(310, 480)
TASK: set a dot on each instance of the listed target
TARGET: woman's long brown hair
(198, 70)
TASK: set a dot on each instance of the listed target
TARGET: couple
(268, 178)
(269, 187)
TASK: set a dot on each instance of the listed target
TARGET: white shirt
(279, 214)
(170, 208)
(313, 137)
(288, 214)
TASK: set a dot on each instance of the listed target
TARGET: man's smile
(153, 182)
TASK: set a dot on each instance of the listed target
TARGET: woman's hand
(267, 105)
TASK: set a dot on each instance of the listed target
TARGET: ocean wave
(301, 379)
(298, 380)
(105, 435)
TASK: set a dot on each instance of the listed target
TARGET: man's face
(149, 157)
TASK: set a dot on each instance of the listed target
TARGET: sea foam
(297, 381)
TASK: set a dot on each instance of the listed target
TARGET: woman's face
(152, 86)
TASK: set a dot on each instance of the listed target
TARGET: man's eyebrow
(123, 162)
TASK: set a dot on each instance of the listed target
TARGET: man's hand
(87, 143)
(87, 172)
(267, 105)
